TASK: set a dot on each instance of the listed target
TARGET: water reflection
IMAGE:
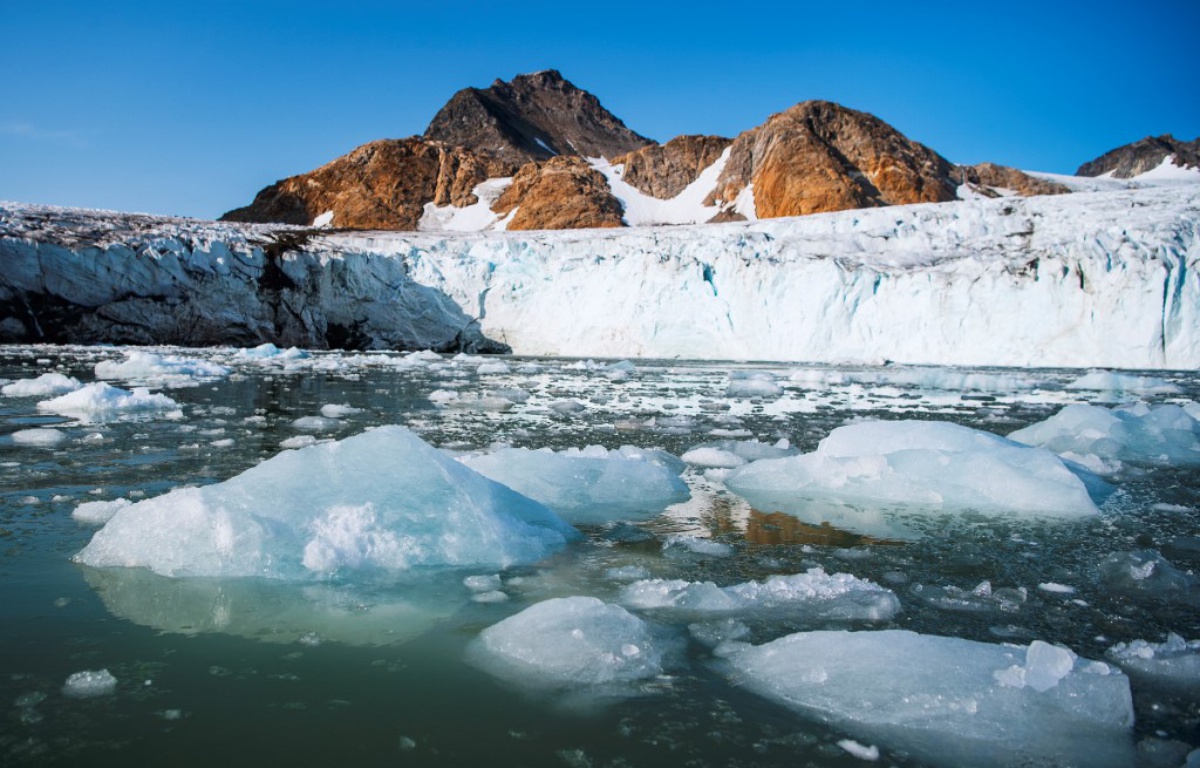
(772, 528)
(274, 612)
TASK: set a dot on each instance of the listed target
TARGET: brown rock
(985, 177)
(534, 117)
(381, 185)
(560, 193)
(664, 170)
(819, 156)
(1143, 155)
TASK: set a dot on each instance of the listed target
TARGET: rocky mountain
(533, 117)
(381, 185)
(554, 158)
(1143, 156)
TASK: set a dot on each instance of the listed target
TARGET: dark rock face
(1144, 155)
(381, 185)
(986, 176)
(561, 193)
(664, 170)
(534, 117)
(819, 156)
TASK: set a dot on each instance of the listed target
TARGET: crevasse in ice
(382, 500)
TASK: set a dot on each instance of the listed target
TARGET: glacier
(1090, 279)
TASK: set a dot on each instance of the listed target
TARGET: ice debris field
(599, 562)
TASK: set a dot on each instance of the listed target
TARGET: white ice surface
(383, 500)
(46, 385)
(642, 210)
(142, 366)
(1174, 662)
(930, 466)
(476, 217)
(41, 437)
(939, 698)
(100, 401)
(570, 641)
(589, 486)
(1088, 279)
(1139, 434)
(815, 595)
(89, 684)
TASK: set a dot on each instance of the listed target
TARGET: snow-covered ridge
(1088, 279)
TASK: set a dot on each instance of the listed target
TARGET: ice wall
(1087, 279)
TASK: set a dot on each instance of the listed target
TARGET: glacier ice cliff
(1089, 279)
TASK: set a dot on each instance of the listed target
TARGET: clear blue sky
(191, 108)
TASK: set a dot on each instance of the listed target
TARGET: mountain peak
(1144, 155)
(534, 116)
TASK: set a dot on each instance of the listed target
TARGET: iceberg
(1174, 663)
(46, 385)
(1123, 383)
(382, 501)
(589, 486)
(949, 701)
(100, 401)
(1138, 434)
(570, 641)
(147, 366)
(814, 595)
(926, 466)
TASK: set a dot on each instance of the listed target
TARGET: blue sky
(190, 109)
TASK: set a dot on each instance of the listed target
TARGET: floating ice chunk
(861, 751)
(482, 583)
(335, 411)
(1060, 589)
(46, 385)
(585, 487)
(938, 697)
(99, 512)
(299, 441)
(380, 500)
(1108, 381)
(730, 454)
(982, 598)
(713, 457)
(493, 368)
(813, 595)
(317, 424)
(570, 641)
(40, 437)
(1175, 662)
(1044, 666)
(933, 466)
(141, 365)
(89, 684)
(1146, 573)
(1163, 434)
(269, 351)
(102, 401)
(752, 384)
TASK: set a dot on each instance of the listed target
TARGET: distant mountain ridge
(1143, 156)
(553, 157)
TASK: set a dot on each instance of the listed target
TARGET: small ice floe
(1122, 383)
(752, 384)
(147, 366)
(317, 424)
(1056, 588)
(1102, 438)
(89, 684)
(861, 751)
(298, 441)
(493, 368)
(381, 500)
(337, 411)
(696, 545)
(983, 597)
(948, 701)
(269, 351)
(1174, 663)
(567, 642)
(1146, 573)
(46, 385)
(592, 485)
(923, 466)
(103, 401)
(39, 437)
(814, 595)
